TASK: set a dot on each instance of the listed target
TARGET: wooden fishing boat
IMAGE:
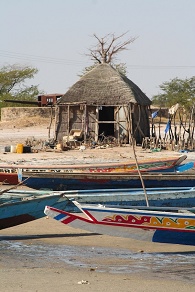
(158, 197)
(164, 225)
(10, 178)
(19, 206)
(12, 174)
(72, 181)
(170, 164)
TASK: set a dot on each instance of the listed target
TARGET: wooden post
(96, 124)
(137, 165)
(51, 119)
(116, 116)
(84, 124)
(130, 125)
(57, 111)
(139, 172)
(68, 121)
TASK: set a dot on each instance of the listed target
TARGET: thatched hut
(103, 100)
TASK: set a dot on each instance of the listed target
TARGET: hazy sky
(55, 35)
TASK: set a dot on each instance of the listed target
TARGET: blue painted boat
(19, 206)
(157, 197)
(72, 181)
(176, 226)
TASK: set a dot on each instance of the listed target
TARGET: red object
(9, 178)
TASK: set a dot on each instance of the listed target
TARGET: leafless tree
(109, 46)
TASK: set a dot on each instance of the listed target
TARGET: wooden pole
(84, 126)
(14, 187)
(139, 172)
(51, 119)
(159, 125)
(137, 165)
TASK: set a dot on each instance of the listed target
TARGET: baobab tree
(108, 46)
(106, 50)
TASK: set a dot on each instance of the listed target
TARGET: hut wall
(69, 117)
(91, 117)
(75, 118)
(86, 118)
(61, 125)
(121, 117)
(140, 123)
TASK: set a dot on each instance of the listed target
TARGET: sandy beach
(45, 255)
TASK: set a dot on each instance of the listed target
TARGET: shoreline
(44, 249)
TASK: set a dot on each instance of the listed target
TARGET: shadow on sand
(27, 237)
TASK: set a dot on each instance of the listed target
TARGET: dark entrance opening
(106, 114)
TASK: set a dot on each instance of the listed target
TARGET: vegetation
(177, 90)
(13, 87)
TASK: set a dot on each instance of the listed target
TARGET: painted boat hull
(19, 206)
(157, 197)
(154, 226)
(9, 178)
(61, 177)
(59, 181)
(31, 208)
(146, 165)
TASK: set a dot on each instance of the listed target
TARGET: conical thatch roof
(103, 85)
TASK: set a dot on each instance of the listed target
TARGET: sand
(45, 255)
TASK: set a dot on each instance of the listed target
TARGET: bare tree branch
(94, 56)
(107, 47)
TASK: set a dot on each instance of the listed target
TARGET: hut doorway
(106, 120)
